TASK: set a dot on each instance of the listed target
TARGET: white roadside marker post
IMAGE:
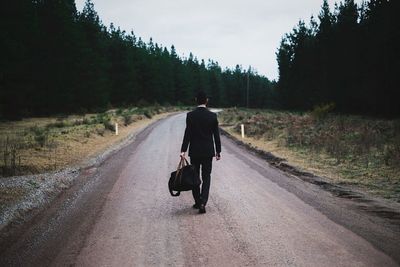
(242, 129)
(116, 128)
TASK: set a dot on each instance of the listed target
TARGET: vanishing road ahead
(122, 215)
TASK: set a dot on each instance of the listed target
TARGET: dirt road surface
(121, 214)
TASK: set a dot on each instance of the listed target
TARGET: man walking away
(200, 135)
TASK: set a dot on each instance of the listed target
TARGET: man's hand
(182, 154)
(217, 156)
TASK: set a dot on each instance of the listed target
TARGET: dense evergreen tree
(19, 41)
(350, 57)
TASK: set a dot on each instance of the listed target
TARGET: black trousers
(201, 195)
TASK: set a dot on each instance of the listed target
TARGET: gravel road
(121, 214)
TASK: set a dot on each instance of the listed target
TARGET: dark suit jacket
(201, 129)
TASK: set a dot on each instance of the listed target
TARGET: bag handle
(180, 165)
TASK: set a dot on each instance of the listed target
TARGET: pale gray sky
(228, 31)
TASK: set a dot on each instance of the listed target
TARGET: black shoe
(202, 209)
(196, 206)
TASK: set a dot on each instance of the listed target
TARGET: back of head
(201, 98)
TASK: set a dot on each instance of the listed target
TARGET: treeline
(55, 59)
(349, 57)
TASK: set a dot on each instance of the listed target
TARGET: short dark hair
(201, 98)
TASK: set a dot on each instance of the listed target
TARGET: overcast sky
(245, 32)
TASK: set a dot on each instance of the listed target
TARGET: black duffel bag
(185, 178)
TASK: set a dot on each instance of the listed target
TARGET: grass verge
(38, 145)
(347, 150)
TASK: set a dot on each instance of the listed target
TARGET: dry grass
(37, 145)
(348, 150)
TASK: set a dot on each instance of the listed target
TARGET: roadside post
(242, 129)
(116, 128)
